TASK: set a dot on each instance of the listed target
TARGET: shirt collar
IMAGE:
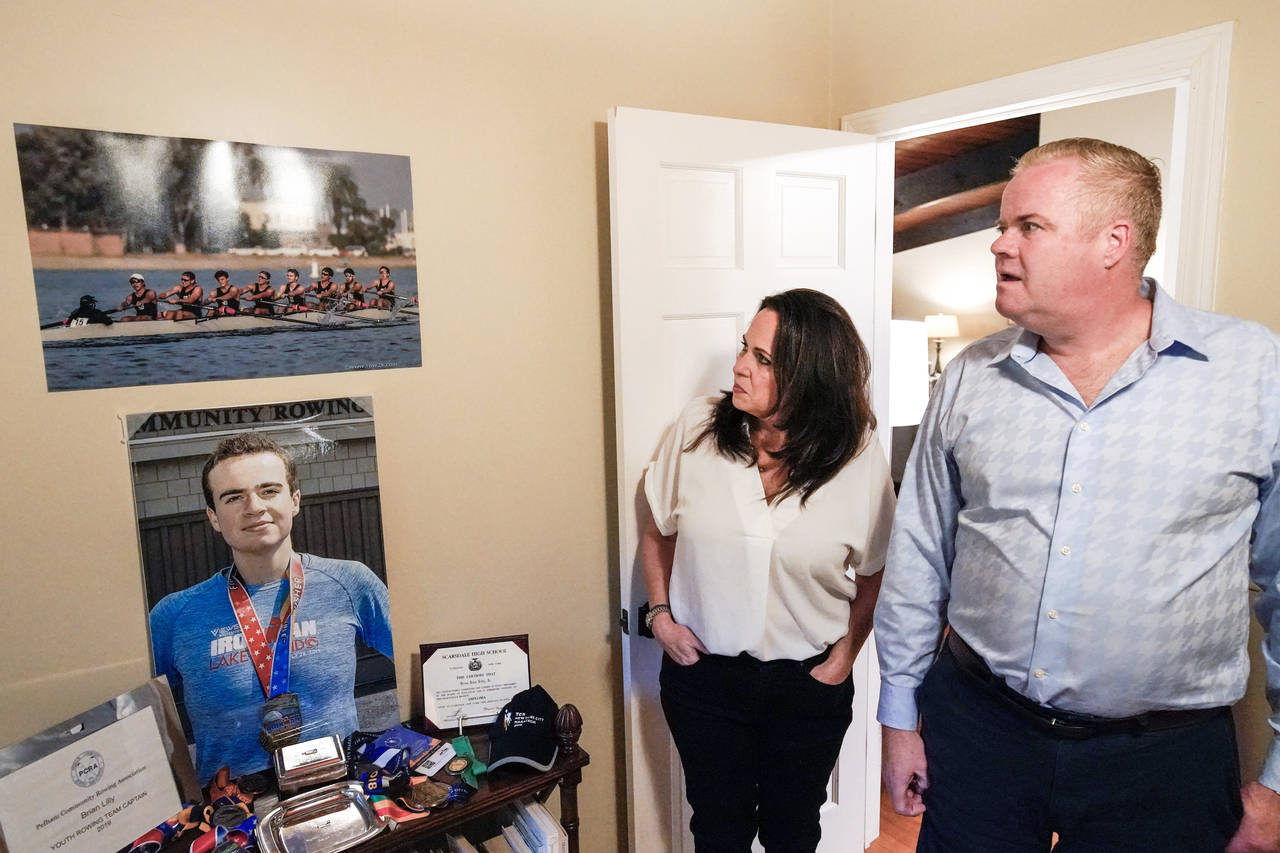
(1171, 324)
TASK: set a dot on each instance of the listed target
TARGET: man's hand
(680, 644)
(904, 770)
(1259, 831)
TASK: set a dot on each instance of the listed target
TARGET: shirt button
(1066, 550)
(1084, 427)
(1053, 614)
(1039, 673)
(1075, 488)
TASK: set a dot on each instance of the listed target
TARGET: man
(351, 292)
(260, 293)
(385, 288)
(1088, 496)
(326, 289)
(304, 659)
(292, 292)
(142, 300)
(225, 299)
(87, 313)
(187, 295)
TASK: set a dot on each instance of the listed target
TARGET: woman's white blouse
(771, 580)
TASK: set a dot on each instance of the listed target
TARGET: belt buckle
(1063, 728)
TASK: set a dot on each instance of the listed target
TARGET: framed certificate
(98, 793)
(466, 682)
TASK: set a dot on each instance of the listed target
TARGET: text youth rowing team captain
(307, 655)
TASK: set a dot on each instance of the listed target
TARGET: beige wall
(944, 46)
(494, 454)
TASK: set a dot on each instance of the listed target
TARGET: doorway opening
(1188, 71)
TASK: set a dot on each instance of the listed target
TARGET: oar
(284, 318)
(408, 303)
(290, 305)
(57, 323)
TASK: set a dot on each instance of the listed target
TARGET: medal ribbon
(269, 651)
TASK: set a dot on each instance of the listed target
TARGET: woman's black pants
(758, 741)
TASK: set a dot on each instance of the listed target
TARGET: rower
(87, 313)
(260, 293)
(326, 289)
(385, 288)
(187, 295)
(225, 297)
(352, 291)
(292, 292)
(142, 300)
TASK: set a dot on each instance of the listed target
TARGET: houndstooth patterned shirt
(1098, 558)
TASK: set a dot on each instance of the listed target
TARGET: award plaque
(467, 682)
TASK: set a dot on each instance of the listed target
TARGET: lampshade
(908, 372)
(941, 326)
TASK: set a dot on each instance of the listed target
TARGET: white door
(708, 215)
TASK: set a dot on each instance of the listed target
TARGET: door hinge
(625, 621)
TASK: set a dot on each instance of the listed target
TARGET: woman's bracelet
(653, 614)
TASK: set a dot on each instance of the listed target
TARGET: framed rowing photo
(260, 532)
(161, 260)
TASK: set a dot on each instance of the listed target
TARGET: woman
(771, 508)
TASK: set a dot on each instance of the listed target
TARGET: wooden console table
(501, 787)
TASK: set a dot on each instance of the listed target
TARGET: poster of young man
(262, 555)
(166, 252)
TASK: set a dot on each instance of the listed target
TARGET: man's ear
(297, 502)
(1118, 238)
(213, 519)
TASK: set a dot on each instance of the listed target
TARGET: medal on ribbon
(268, 650)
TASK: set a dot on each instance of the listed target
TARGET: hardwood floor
(897, 833)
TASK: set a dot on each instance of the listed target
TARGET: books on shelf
(459, 844)
(497, 844)
(523, 827)
(515, 841)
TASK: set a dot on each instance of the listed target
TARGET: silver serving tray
(326, 820)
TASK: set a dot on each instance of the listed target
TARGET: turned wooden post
(568, 730)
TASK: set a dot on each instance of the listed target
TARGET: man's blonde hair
(1114, 182)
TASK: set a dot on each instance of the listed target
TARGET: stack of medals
(426, 793)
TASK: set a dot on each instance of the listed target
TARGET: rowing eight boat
(362, 318)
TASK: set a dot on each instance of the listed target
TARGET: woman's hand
(680, 644)
(834, 669)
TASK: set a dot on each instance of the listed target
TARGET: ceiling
(949, 184)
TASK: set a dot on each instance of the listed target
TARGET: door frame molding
(1194, 64)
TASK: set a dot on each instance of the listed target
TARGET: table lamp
(939, 326)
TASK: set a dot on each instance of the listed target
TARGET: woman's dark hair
(822, 369)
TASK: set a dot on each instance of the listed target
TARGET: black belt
(1067, 724)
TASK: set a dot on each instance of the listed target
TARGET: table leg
(569, 807)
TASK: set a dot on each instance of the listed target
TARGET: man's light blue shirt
(1097, 557)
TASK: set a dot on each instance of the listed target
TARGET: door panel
(708, 216)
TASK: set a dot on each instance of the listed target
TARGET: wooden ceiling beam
(961, 202)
